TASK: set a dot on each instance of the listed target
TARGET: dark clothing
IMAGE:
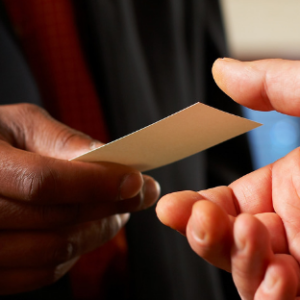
(149, 59)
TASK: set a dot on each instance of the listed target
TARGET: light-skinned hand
(252, 227)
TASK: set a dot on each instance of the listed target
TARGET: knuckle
(68, 135)
(14, 122)
(37, 184)
(30, 109)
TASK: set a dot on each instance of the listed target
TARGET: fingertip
(117, 222)
(250, 255)
(208, 222)
(144, 193)
(131, 185)
(162, 209)
(209, 233)
(174, 209)
(219, 71)
(151, 191)
(135, 183)
(249, 233)
(280, 280)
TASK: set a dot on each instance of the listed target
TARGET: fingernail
(269, 281)
(95, 144)
(196, 226)
(130, 185)
(197, 232)
(228, 59)
(240, 243)
(123, 219)
(151, 191)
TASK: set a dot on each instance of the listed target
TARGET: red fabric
(48, 35)
(47, 32)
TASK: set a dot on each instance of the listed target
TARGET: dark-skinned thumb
(31, 128)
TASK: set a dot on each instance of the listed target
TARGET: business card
(187, 132)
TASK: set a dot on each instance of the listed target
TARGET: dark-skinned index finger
(32, 178)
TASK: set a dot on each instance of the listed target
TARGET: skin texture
(53, 210)
(251, 227)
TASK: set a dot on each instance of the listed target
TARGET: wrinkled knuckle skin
(67, 135)
(13, 120)
(31, 109)
(37, 185)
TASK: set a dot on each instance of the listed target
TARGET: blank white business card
(180, 135)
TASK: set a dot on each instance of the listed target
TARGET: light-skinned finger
(209, 232)
(250, 254)
(286, 191)
(275, 227)
(175, 209)
(281, 280)
(253, 192)
(261, 85)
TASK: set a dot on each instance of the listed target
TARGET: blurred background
(266, 29)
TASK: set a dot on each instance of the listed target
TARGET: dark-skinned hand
(53, 210)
